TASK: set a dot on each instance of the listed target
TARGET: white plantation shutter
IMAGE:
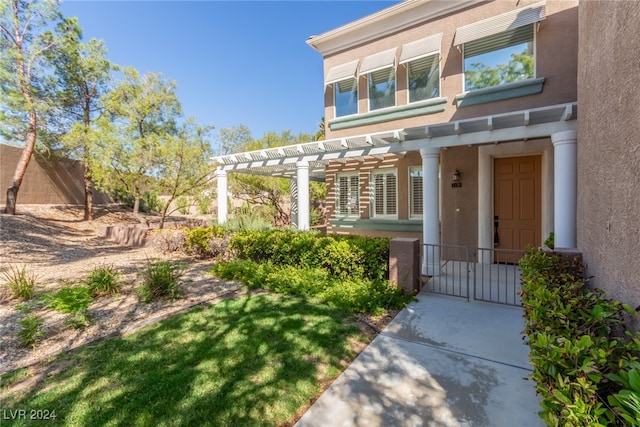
(385, 193)
(347, 195)
(415, 188)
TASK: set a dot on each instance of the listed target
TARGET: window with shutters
(424, 78)
(500, 58)
(385, 193)
(415, 192)
(382, 88)
(347, 187)
(346, 97)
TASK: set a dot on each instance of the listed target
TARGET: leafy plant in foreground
(104, 280)
(21, 283)
(31, 330)
(161, 279)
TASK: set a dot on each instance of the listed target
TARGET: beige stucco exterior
(556, 60)
(609, 146)
(465, 212)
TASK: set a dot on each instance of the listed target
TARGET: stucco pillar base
(404, 264)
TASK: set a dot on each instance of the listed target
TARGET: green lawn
(257, 360)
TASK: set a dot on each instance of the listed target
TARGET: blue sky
(235, 62)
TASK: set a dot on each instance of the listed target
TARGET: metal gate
(481, 274)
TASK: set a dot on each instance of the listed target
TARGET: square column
(221, 177)
(431, 210)
(302, 184)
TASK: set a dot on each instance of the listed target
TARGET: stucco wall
(609, 146)
(56, 182)
(556, 59)
(459, 210)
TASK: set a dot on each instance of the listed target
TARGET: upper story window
(422, 61)
(381, 77)
(382, 89)
(500, 49)
(385, 193)
(347, 188)
(415, 192)
(498, 59)
(345, 88)
(346, 97)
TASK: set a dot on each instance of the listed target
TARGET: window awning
(421, 48)
(378, 61)
(498, 24)
(342, 72)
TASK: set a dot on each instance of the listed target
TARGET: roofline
(387, 21)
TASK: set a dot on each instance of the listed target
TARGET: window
(424, 78)
(347, 195)
(382, 88)
(346, 97)
(500, 58)
(415, 192)
(385, 193)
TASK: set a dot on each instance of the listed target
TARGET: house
(454, 122)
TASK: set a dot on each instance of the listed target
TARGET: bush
(353, 295)
(31, 330)
(21, 283)
(161, 279)
(103, 280)
(183, 205)
(169, 239)
(343, 256)
(580, 355)
(207, 242)
(69, 300)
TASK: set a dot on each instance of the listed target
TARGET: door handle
(496, 236)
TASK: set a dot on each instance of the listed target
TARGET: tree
(320, 133)
(233, 139)
(24, 44)
(187, 163)
(83, 75)
(519, 67)
(143, 114)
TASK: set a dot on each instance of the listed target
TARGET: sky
(234, 62)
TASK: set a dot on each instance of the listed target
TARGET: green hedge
(341, 256)
(585, 363)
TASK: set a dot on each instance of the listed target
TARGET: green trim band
(498, 93)
(430, 106)
(410, 225)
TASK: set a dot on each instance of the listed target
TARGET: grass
(21, 283)
(256, 360)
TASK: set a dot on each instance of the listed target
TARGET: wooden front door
(517, 200)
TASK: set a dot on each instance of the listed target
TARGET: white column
(565, 179)
(431, 209)
(293, 197)
(302, 181)
(221, 176)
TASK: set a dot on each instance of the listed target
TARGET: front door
(517, 200)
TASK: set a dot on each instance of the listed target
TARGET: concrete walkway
(442, 361)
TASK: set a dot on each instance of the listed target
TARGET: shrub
(31, 330)
(169, 239)
(21, 283)
(204, 205)
(352, 295)
(207, 242)
(183, 205)
(161, 279)
(69, 300)
(580, 356)
(103, 280)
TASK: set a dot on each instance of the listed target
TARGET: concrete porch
(442, 361)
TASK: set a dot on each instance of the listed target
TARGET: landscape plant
(103, 280)
(21, 283)
(161, 279)
(72, 300)
(585, 361)
(31, 330)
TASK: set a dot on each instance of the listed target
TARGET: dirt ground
(56, 246)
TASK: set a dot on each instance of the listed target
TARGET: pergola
(306, 162)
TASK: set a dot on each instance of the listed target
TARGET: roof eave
(387, 21)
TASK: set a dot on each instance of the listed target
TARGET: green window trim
(501, 92)
(407, 225)
(430, 106)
